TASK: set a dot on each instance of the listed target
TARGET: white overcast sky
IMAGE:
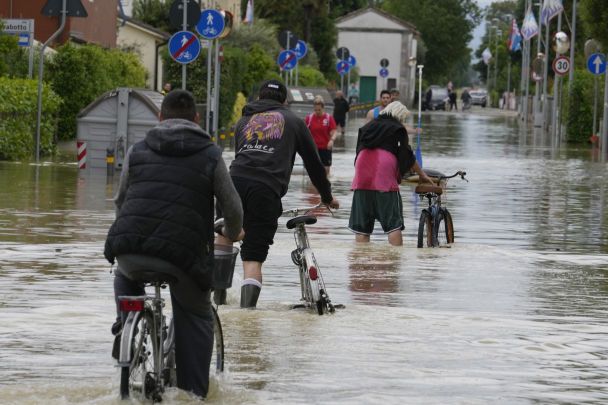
(478, 33)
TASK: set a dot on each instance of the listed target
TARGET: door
(367, 89)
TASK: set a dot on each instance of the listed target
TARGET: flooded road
(514, 312)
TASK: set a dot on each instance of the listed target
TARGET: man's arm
(229, 200)
(119, 198)
(369, 116)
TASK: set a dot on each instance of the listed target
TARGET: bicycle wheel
(445, 228)
(217, 356)
(425, 230)
(313, 283)
(138, 375)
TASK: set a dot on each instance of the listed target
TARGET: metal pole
(508, 82)
(297, 73)
(572, 44)
(209, 67)
(605, 120)
(546, 77)
(216, 89)
(526, 69)
(556, 88)
(287, 73)
(184, 28)
(40, 68)
(536, 101)
(30, 65)
(498, 33)
(595, 97)
(347, 83)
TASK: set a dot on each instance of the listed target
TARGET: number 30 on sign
(561, 65)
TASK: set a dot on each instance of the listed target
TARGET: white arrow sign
(598, 64)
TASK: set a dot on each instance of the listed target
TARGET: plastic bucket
(225, 259)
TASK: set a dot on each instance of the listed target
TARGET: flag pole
(419, 129)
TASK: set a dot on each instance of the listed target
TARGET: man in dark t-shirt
(341, 107)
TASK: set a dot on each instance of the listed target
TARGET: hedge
(79, 74)
(578, 114)
(18, 112)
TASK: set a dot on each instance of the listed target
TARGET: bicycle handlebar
(306, 210)
(460, 173)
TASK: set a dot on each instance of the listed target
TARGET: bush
(311, 77)
(80, 74)
(18, 110)
(579, 106)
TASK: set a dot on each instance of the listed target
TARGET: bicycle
(314, 293)
(147, 343)
(435, 228)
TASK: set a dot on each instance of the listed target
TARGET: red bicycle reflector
(312, 273)
(131, 305)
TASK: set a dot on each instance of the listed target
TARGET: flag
(486, 55)
(514, 41)
(249, 13)
(550, 9)
(529, 28)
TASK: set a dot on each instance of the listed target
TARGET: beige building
(145, 40)
(372, 35)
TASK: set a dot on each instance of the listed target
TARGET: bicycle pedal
(298, 306)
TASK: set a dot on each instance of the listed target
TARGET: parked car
(479, 97)
(438, 100)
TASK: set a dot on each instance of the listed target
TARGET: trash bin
(300, 100)
(116, 120)
(225, 259)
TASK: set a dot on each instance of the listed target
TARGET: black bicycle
(436, 227)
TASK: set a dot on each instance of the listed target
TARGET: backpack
(308, 119)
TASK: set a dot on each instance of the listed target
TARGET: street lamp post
(498, 35)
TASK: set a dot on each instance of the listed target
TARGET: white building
(371, 35)
(145, 41)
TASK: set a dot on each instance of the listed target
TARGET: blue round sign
(351, 61)
(300, 49)
(384, 72)
(597, 63)
(184, 47)
(287, 60)
(211, 24)
(342, 67)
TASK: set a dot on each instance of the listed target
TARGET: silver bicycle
(314, 293)
(147, 344)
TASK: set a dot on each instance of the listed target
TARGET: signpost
(384, 75)
(596, 63)
(184, 47)
(343, 53)
(342, 67)
(24, 29)
(287, 60)
(287, 40)
(384, 63)
(352, 61)
(211, 24)
(561, 65)
(176, 14)
(300, 50)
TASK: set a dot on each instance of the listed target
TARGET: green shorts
(370, 205)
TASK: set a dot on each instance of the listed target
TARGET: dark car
(438, 98)
(479, 97)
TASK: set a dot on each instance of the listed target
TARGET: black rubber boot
(249, 295)
(219, 296)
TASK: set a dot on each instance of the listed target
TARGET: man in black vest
(164, 219)
(268, 136)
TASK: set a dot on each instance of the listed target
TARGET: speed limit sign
(561, 65)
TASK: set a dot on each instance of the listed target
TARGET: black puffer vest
(168, 208)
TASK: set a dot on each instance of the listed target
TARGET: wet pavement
(513, 312)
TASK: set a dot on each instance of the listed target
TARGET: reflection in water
(515, 310)
(374, 272)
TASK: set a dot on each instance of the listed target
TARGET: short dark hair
(178, 104)
(384, 92)
(273, 90)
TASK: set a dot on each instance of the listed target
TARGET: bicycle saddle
(147, 269)
(427, 188)
(302, 219)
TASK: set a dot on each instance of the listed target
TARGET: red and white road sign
(561, 65)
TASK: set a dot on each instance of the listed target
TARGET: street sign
(287, 60)
(211, 24)
(74, 8)
(384, 72)
(352, 61)
(342, 67)
(384, 63)
(300, 49)
(342, 53)
(288, 39)
(597, 63)
(24, 39)
(24, 29)
(184, 47)
(561, 65)
(176, 14)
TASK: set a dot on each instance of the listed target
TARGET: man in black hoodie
(268, 136)
(164, 223)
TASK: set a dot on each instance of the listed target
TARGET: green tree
(446, 27)
(13, 60)
(594, 14)
(154, 13)
(338, 8)
(80, 74)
